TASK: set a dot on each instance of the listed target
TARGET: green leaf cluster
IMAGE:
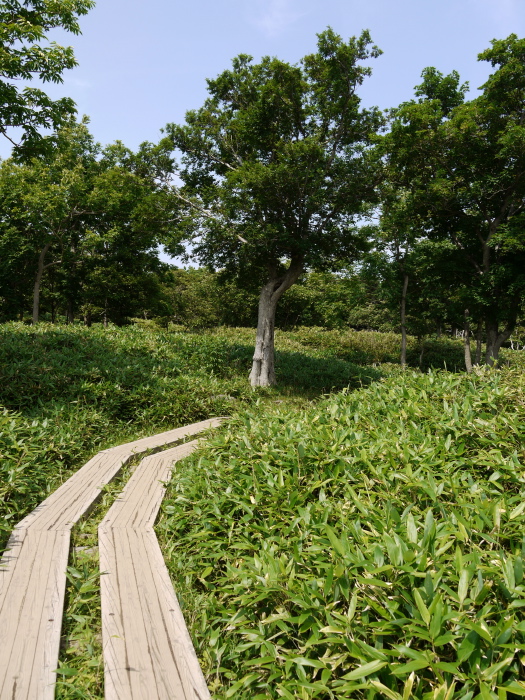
(25, 54)
(369, 546)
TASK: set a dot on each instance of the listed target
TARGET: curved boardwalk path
(148, 654)
(33, 574)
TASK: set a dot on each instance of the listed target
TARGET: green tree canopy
(91, 217)
(463, 164)
(26, 54)
(276, 173)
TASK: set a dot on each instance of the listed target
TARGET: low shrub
(369, 546)
(67, 392)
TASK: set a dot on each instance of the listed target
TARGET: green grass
(369, 546)
(67, 392)
(319, 545)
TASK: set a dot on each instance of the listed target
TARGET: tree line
(281, 177)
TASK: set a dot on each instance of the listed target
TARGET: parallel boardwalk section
(148, 654)
(33, 570)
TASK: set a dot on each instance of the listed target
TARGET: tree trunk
(70, 317)
(421, 352)
(479, 335)
(88, 319)
(403, 322)
(38, 281)
(466, 343)
(263, 366)
(496, 338)
(52, 295)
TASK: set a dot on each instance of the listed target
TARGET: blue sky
(144, 63)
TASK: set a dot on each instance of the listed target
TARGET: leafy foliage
(460, 164)
(24, 55)
(369, 546)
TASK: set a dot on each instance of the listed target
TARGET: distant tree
(93, 216)
(464, 165)
(44, 201)
(134, 210)
(276, 171)
(26, 54)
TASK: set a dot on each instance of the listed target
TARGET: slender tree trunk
(105, 313)
(491, 331)
(88, 318)
(404, 322)
(466, 343)
(52, 295)
(70, 316)
(38, 281)
(479, 336)
(263, 366)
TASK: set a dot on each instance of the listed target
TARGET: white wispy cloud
(275, 16)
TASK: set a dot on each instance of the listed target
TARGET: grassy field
(358, 544)
(368, 546)
(67, 392)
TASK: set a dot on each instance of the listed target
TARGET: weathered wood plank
(31, 617)
(138, 504)
(33, 570)
(71, 500)
(148, 653)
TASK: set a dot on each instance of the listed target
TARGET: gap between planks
(33, 570)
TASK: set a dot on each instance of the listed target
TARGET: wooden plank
(69, 502)
(33, 570)
(138, 504)
(31, 618)
(148, 653)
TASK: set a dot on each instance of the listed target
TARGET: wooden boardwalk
(33, 571)
(148, 654)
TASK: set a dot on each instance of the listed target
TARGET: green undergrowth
(368, 546)
(67, 392)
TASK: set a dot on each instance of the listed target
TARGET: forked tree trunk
(495, 340)
(263, 366)
(38, 282)
(404, 322)
(466, 342)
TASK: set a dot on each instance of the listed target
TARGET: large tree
(464, 166)
(90, 218)
(26, 53)
(276, 171)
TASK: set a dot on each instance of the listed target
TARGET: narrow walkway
(33, 570)
(148, 654)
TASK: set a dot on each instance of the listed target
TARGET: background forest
(406, 221)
